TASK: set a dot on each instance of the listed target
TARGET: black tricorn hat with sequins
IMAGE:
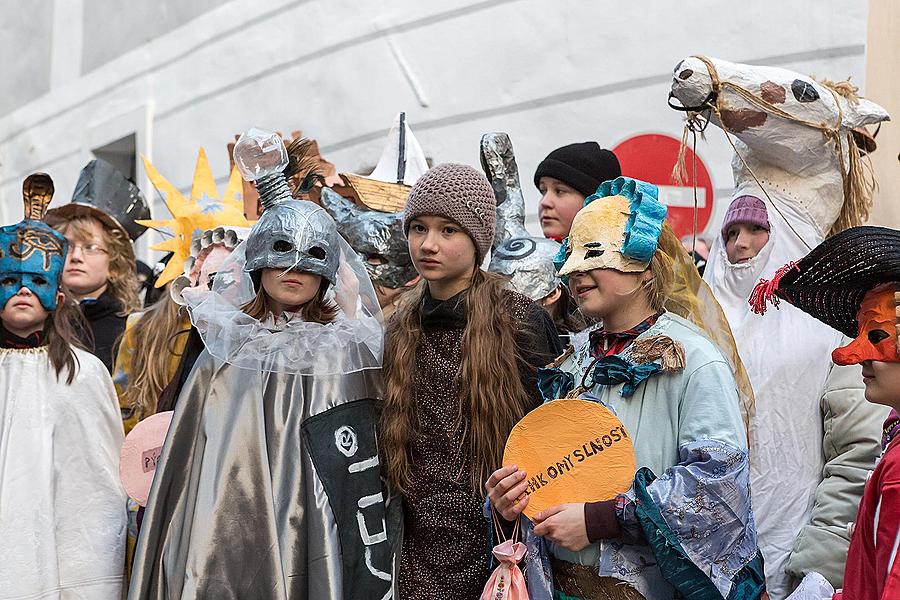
(830, 282)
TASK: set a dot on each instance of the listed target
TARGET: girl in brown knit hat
(460, 360)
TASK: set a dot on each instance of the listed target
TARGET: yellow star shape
(190, 218)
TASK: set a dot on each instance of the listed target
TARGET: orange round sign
(571, 451)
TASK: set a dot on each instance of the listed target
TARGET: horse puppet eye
(307, 184)
(317, 252)
(804, 91)
(282, 246)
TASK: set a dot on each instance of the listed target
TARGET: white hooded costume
(812, 434)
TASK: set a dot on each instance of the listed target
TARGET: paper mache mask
(528, 262)
(377, 237)
(32, 254)
(618, 228)
(295, 234)
(850, 283)
(208, 252)
(290, 234)
(877, 339)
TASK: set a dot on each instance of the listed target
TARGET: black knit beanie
(583, 166)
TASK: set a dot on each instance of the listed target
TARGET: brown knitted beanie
(456, 192)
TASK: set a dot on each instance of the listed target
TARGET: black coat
(105, 324)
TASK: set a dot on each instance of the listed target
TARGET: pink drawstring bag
(507, 581)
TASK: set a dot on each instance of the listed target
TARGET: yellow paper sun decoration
(205, 210)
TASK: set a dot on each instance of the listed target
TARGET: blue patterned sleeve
(696, 516)
(698, 520)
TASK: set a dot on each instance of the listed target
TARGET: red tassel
(766, 290)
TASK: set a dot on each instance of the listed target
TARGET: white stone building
(85, 78)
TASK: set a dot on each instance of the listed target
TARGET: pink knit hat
(745, 209)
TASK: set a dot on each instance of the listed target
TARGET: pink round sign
(140, 455)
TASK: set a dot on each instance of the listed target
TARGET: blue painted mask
(32, 254)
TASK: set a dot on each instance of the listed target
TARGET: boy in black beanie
(565, 178)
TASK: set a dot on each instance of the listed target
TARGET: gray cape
(269, 488)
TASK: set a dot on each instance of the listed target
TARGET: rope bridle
(697, 121)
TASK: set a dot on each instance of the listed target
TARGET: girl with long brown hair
(147, 357)
(61, 433)
(460, 360)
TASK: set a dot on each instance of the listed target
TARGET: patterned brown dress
(446, 544)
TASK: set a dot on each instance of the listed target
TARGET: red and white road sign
(650, 157)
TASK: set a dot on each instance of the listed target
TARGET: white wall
(548, 72)
(25, 43)
(882, 51)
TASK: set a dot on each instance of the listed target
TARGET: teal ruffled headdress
(638, 238)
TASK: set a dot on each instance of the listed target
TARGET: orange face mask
(877, 339)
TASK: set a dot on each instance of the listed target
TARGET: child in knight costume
(851, 282)
(270, 463)
(685, 529)
(100, 225)
(62, 517)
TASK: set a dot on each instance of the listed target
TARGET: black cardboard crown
(106, 194)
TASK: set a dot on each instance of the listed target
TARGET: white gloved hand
(346, 292)
(813, 587)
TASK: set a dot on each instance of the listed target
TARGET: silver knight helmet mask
(294, 234)
(290, 234)
(377, 237)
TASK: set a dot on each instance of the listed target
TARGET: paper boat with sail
(401, 164)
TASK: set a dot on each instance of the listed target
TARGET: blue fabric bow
(554, 383)
(613, 369)
(610, 370)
